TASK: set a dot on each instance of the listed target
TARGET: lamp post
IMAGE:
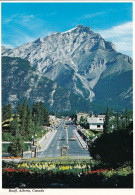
(22, 153)
(35, 146)
(33, 152)
(33, 140)
(35, 136)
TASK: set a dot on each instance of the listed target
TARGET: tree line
(24, 124)
(115, 146)
(25, 120)
(120, 120)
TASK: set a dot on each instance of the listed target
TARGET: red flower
(15, 170)
(97, 171)
(10, 170)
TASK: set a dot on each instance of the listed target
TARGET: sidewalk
(44, 141)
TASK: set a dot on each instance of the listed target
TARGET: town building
(96, 123)
(81, 114)
(52, 119)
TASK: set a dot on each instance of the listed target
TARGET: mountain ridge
(20, 81)
(77, 60)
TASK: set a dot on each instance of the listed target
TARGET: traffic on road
(61, 138)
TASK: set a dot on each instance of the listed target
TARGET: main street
(51, 146)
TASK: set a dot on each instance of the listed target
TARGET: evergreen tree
(41, 109)
(82, 120)
(118, 124)
(107, 126)
(127, 117)
(7, 112)
(18, 109)
(46, 117)
(29, 123)
(14, 126)
(15, 148)
(40, 114)
(114, 148)
(23, 117)
(35, 113)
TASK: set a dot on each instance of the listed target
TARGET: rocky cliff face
(78, 60)
(20, 81)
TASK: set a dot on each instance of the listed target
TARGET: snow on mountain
(69, 30)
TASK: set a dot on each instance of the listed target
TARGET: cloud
(121, 35)
(30, 22)
(22, 38)
(9, 20)
(119, 30)
(25, 28)
(89, 16)
(93, 15)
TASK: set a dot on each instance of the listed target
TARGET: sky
(26, 22)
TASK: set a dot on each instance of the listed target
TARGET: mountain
(82, 62)
(20, 81)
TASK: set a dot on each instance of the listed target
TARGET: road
(52, 147)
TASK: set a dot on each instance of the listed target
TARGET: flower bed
(55, 167)
(15, 170)
(97, 171)
(72, 175)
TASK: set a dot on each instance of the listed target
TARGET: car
(63, 138)
(73, 138)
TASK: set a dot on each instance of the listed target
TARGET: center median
(81, 141)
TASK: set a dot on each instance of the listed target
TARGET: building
(79, 115)
(52, 119)
(68, 119)
(101, 116)
(96, 123)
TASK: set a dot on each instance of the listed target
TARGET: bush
(15, 148)
(114, 149)
(7, 136)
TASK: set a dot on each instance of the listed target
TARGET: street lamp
(33, 139)
(33, 150)
(35, 136)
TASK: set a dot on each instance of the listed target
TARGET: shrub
(15, 148)
(114, 149)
